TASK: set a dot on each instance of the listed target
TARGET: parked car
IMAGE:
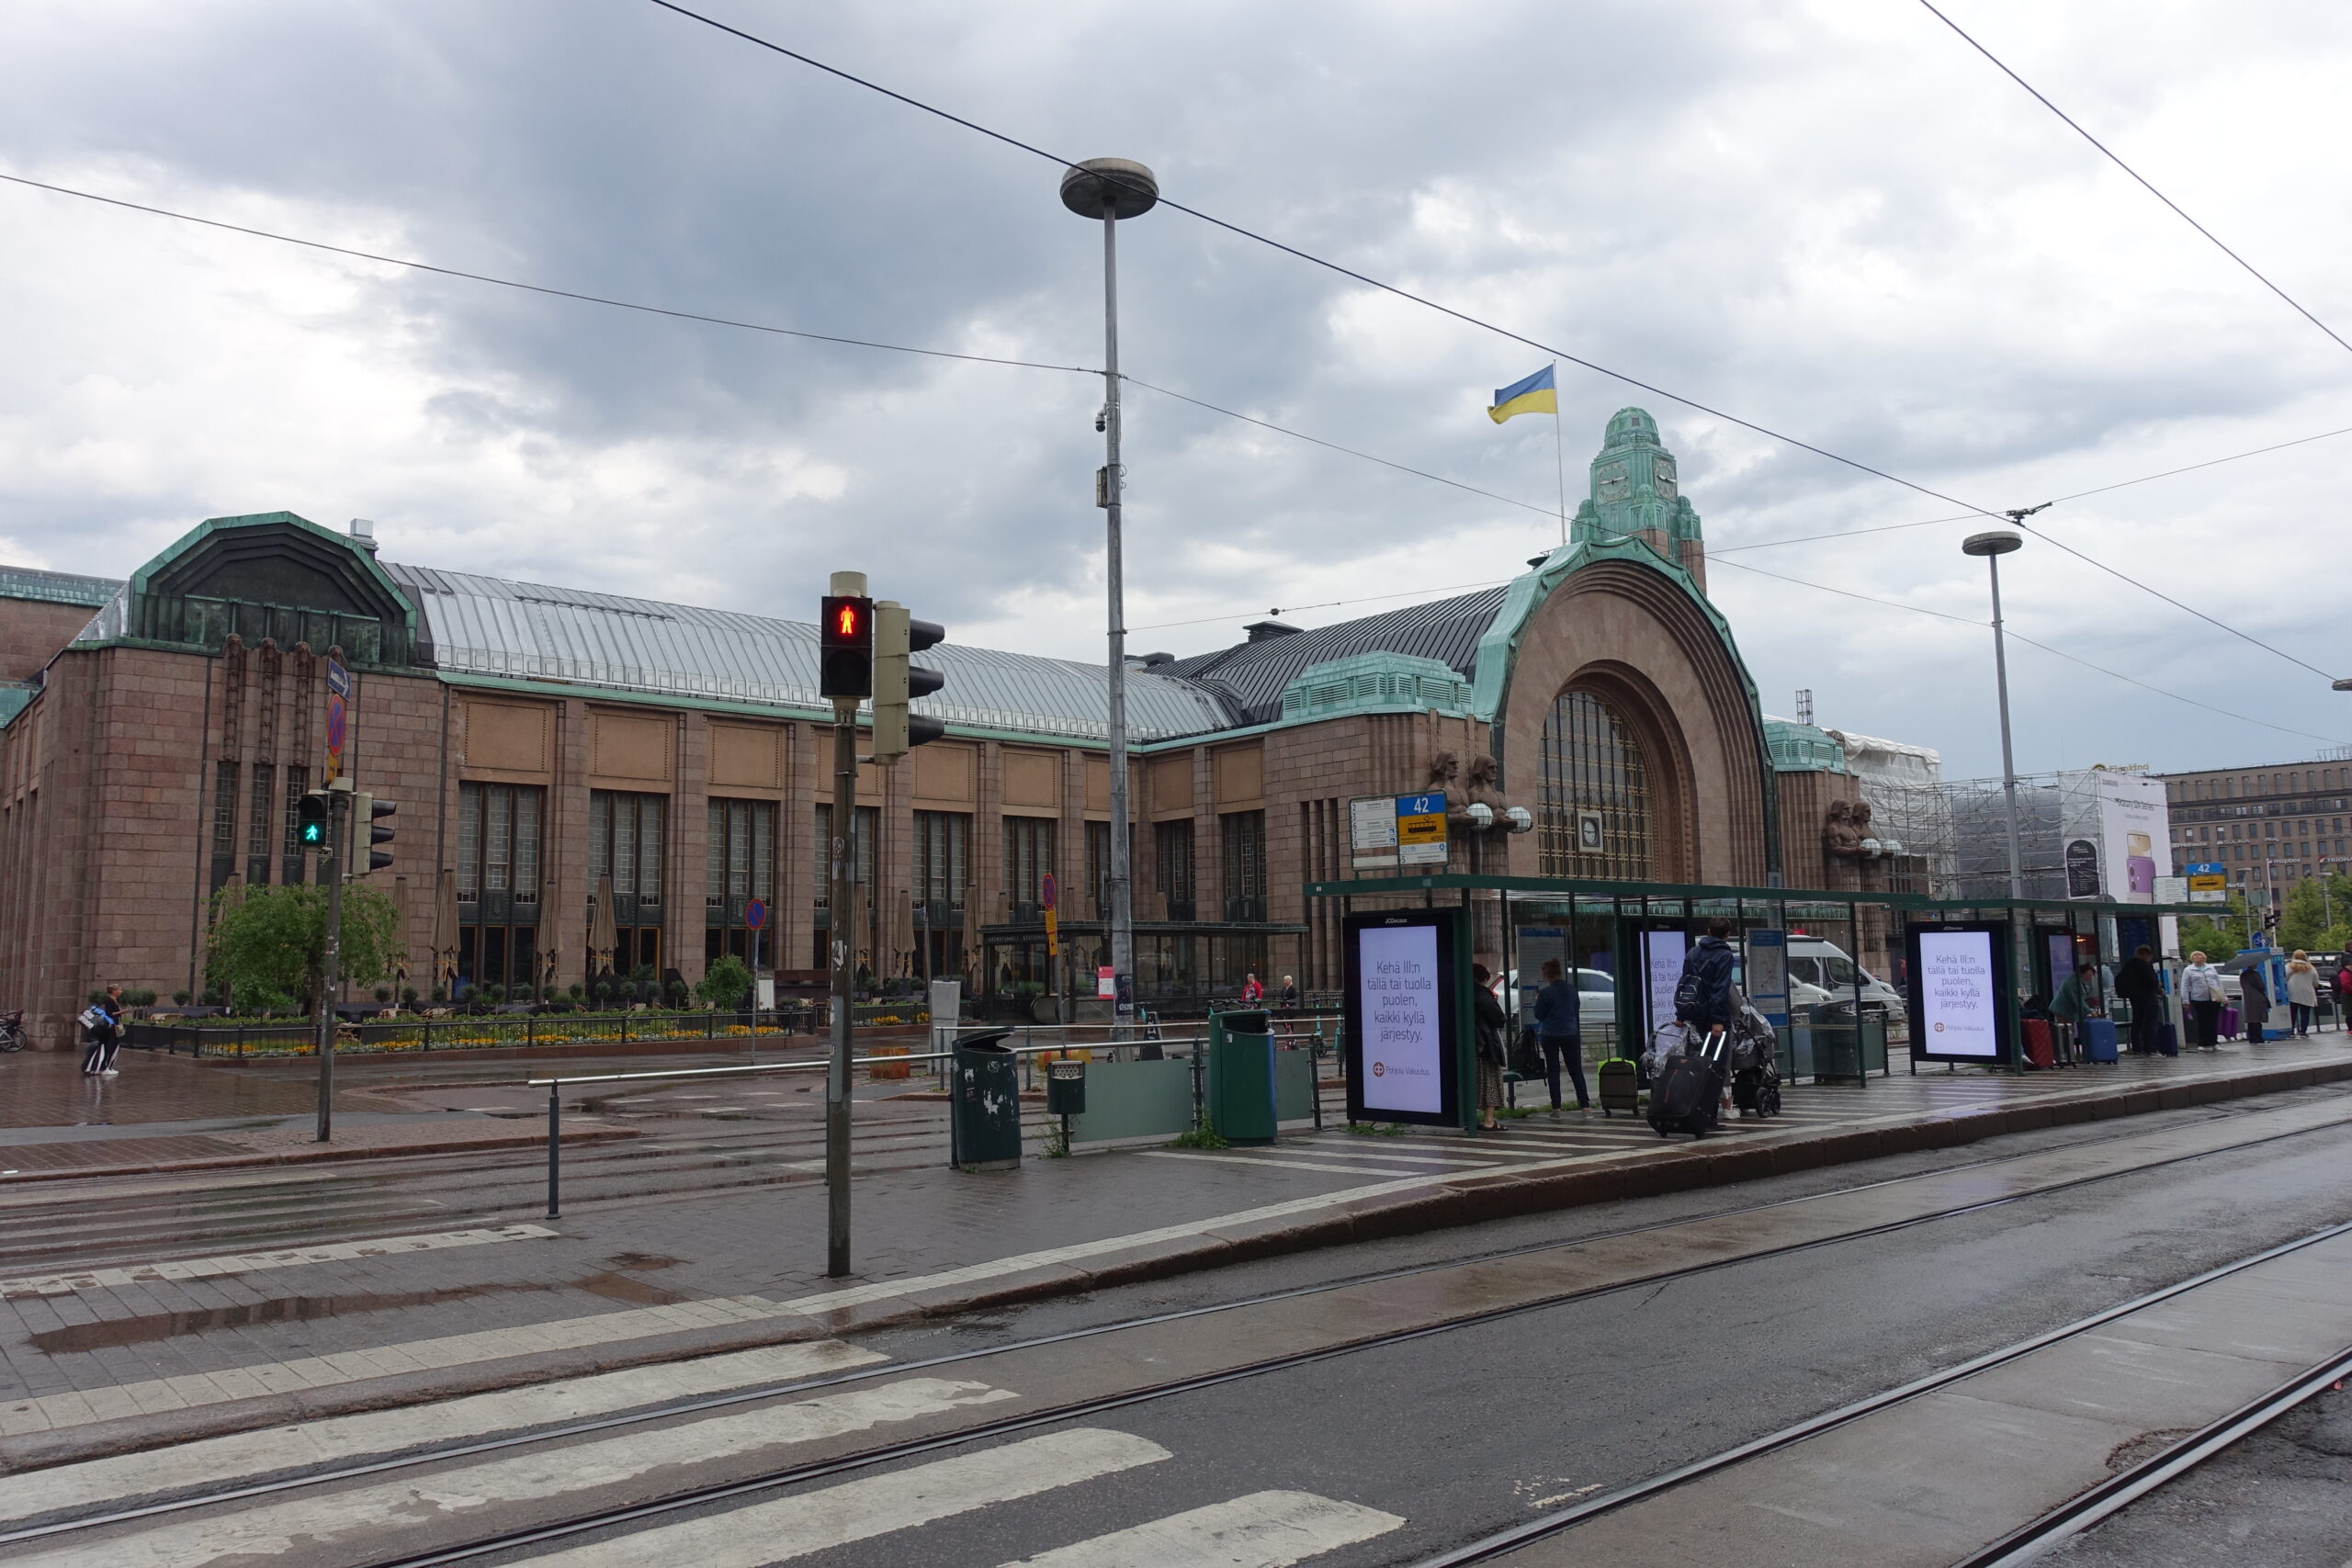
(1822, 976)
(1596, 1001)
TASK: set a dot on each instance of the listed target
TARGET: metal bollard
(555, 1143)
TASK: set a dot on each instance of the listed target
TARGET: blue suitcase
(2167, 1039)
(2098, 1040)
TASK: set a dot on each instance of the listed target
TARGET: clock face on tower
(1609, 483)
(1662, 478)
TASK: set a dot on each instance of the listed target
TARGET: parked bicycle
(12, 1030)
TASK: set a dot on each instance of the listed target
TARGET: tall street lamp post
(1993, 545)
(1110, 190)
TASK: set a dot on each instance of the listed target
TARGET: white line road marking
(50, 1411)
(1483, 1159)
(248, 1455)
(254, 1262)
(369, 1513)
(1264, 1530)
(860, 1510)
(1299, 1167)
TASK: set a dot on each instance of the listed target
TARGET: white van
(1820, 974)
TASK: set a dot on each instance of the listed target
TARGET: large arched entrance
(1594, 797)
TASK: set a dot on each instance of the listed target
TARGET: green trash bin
(1242, 1076)
(984, 1121)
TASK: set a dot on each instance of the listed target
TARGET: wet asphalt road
(1474, 1430)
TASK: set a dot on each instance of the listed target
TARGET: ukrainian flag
(1534, 395)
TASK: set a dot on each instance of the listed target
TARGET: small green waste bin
(1242, 1076)
(984, 1123)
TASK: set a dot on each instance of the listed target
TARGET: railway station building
(554, 751)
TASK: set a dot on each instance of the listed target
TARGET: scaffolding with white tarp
(1910, 812)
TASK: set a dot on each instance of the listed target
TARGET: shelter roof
(1250, 676)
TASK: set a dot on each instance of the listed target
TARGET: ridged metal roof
(1250, 676)
(487, 626)
(55, 587)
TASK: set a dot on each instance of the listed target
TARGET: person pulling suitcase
(102, 1028)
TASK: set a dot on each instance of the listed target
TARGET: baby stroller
(1755, 1061)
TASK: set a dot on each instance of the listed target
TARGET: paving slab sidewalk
(132, 1364)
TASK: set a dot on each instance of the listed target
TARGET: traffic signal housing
(311, 820)
(896, 681)
(371, 810)
(845, 645)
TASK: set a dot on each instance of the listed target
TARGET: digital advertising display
(1405, 1040)
(1959, 994)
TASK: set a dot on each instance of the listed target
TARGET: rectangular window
(1172, 849)
(224, 810)
(739, 864)
(498, 841)
(1098, 867)
(298, 784)
(1242, 835)
(943, 854)
(625, 836)
(1028, 856)
(260, 819)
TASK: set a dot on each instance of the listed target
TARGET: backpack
(94, 1017)
(1703, 994)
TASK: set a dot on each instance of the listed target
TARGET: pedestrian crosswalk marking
(340, 1439)
(367, 1514)
(254, 1262)
(873, 1506)
(1264, 1530)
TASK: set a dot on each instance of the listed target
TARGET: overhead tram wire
(2139, 178)
(2014, 637)
(609, 303)
(539, 288)
(1463, 316)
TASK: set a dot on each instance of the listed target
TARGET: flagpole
(1559, 459)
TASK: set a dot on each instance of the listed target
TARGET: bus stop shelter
(1842, 989)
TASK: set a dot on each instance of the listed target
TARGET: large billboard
(2135, 835)
(1959, 990)
(1407, 1039)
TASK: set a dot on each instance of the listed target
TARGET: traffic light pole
(338, 837)
(841, 947)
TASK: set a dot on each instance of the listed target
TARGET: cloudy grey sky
(1832, 217)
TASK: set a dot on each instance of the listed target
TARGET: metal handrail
(555, 1086)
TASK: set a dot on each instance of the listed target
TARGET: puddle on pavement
(610, 1284)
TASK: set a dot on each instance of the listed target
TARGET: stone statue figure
(1841, 847)
(1444, 768)
(1871, 862)
(1484, 773)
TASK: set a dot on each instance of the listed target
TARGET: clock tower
(1637, 493)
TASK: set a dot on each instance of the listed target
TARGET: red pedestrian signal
(845, 645)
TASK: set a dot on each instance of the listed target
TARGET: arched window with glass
(1594, 809)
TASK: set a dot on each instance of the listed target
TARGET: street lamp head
(2343, 686)
(1125, 187)
(1998, 542)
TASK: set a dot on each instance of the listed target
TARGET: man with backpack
(1703, 997)
(102, 1027)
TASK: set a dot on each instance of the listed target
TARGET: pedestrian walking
(1703, 997)
(1559, 1029)
(2253, 1001)
(1492, 1053)
(102, 1030)
(2200, 987)
(1290, 993)
(2302, 992)
(1252, 993)
(2136, 982)
(2343, 989)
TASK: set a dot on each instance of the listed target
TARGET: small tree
(2218, 936)
(270, 943)
(724, 983)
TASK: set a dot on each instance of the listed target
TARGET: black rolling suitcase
(1688, 1096)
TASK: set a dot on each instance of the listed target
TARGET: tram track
(1066, 1410)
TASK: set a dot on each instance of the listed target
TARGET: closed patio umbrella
(602, 936)
(445, 931)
